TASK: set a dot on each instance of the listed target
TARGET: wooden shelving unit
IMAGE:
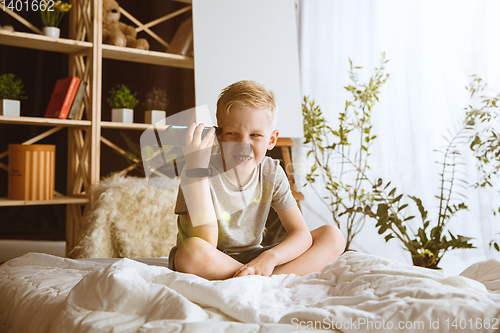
(85, 51)
(44, 121)
(135, 126)
(58, 200)
(69, 46)
(147, 57)
(44, 43)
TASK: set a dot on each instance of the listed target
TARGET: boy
(225, 198)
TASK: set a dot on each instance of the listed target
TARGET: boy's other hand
(197, 150)
(262, 265)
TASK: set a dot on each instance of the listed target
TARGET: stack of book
(67, 99)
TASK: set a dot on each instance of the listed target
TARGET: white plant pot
(10, 107)
(122, 116)
(51, 32)
(156, 117)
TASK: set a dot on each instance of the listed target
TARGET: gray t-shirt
(241, 211)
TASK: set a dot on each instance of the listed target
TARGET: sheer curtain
(433, 48)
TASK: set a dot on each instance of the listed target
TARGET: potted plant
(156, 105)
(122, 102)
(52, 14)
(11, 92)
(433, 239)
(352, 196)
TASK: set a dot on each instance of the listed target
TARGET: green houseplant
(11, 94)
(358, 197)
(347, 146)
(429, 244)
(156, 105)
(122, 102)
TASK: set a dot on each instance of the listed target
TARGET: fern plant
(433, 239)
(348, 146)
(359, 197)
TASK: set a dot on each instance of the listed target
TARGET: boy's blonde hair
(247, 93)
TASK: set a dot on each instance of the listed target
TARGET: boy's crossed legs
(199, 257)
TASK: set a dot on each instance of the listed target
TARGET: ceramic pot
(51, 32)
(9, 107)
(122, 116)
(156, 117)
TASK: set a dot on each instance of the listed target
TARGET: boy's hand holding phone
(197, 149)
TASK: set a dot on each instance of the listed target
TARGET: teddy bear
(118, 33)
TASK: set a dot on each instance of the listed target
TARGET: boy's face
(247, 134)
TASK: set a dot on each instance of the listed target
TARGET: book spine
(54, 106)
(70, 96)
(77, 102)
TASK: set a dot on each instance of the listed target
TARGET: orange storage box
(31, 172)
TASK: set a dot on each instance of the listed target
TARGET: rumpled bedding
(357, 293)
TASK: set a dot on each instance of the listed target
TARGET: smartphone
(176, 135)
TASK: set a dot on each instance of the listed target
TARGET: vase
(155, 117)
(9, 107)
(51, 31)
(122, 115)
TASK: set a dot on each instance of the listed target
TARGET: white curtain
(434, 47)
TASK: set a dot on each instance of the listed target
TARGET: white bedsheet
(357, 293)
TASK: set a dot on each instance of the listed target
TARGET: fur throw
(130, 219)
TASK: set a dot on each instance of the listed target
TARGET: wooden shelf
(147, 57)
(58, 200)
(134, 126)
(41, 42)
(44, 121)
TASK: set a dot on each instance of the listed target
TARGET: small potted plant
(156, 105)
(11, 92)
(122, 102)
(52, 14)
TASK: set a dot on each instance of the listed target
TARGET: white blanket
(357, 293)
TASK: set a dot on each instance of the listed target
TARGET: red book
(62, 97)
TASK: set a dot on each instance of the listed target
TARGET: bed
(357, 293)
